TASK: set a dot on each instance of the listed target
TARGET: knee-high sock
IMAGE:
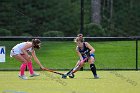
(22, 69)
(30, 67)
(93, 69)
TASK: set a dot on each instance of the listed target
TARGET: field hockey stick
(73, 69)
(53, 71)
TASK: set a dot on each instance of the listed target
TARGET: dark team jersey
(85, 51)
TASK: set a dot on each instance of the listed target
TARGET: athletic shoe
(23, 77)
(96, 77)
(34, 75)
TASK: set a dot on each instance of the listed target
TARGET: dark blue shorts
(91, 55)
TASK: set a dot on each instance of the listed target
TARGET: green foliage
(36, 17)
(93, 30)
(125, 19)
(53, 34)
(5, 32)
(26, 34)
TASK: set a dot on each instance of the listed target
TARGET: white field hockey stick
(75, 68)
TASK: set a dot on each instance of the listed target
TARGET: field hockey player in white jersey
(22, 52)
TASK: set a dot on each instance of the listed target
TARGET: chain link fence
(59, 53)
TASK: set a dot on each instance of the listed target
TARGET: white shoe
(34, 75)
(96, 77)
(23, 77)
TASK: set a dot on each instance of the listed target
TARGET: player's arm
(92, 50)
(36, 59)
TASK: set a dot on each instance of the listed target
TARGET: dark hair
(36, 43)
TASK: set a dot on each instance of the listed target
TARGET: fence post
(136, 54)
(82, 16)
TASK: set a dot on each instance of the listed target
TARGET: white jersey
(17, 49)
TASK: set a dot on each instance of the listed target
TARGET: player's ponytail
(36, 43)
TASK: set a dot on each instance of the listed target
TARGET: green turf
(109, 82)
(61, 54)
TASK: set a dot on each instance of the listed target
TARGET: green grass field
(109, 82)
(62, 55)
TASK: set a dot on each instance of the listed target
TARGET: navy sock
(93, 69)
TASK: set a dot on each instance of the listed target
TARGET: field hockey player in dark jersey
(86, 54)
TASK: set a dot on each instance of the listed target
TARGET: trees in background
(120, 17)
(62, 17)
(37, 17)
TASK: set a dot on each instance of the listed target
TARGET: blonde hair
(80, 35)
(79, 38)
